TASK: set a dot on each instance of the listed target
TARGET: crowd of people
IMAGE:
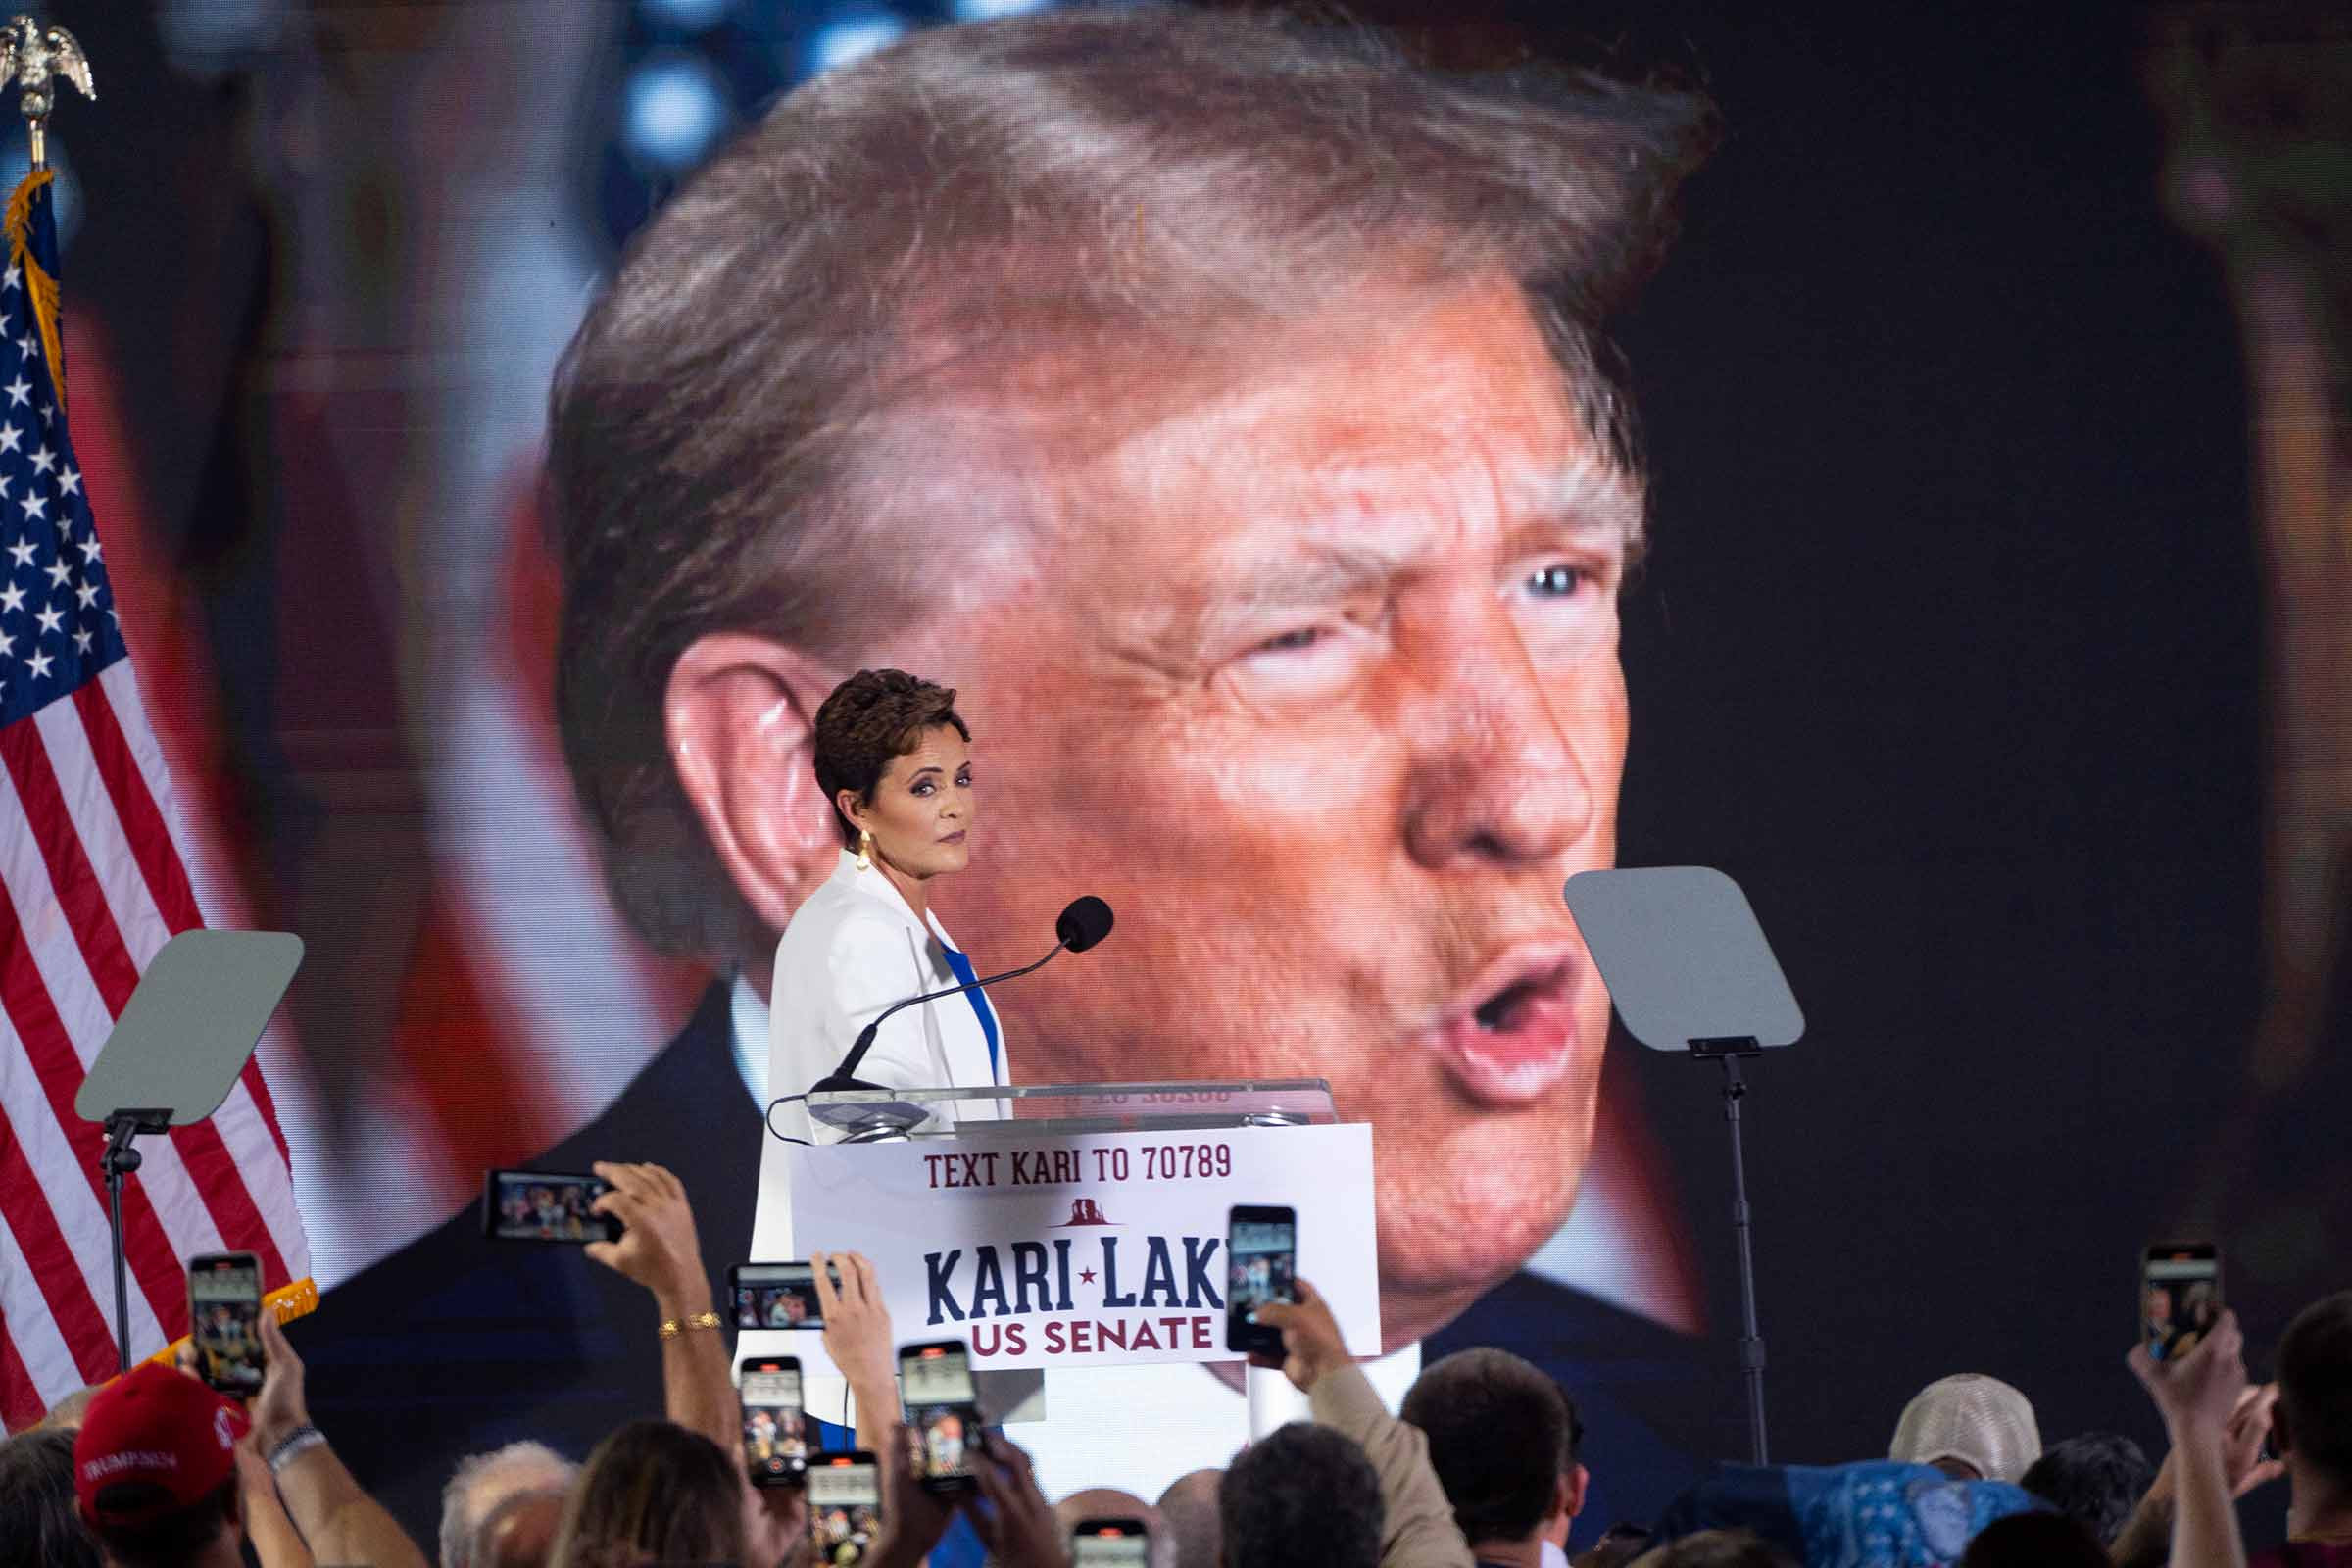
(1485, 1466)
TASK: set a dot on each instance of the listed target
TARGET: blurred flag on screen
(92, 883)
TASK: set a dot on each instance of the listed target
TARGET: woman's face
(922, 809)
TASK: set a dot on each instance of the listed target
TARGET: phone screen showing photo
(943, 1421)
(532, 1206)
(224, 1310)
(776, 1431)
(775, 1295)
(844, 1508)
(1262, 1266)
(2180, 1298)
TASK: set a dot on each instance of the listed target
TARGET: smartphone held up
(537, 1205)
(1261, 1256)
(775, 1425)
(778, 1296)
(844, 1507)
(943, 1414)
(224, 1314)
(1111, 1543)
(2180, 1297)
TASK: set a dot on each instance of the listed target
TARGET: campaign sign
(1089, 1250)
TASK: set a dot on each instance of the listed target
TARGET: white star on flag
(90, 548)
(23, 552)
(9, 437)
(12, 597)
(81, 641)
(51, 619)
(40, 664)
(44, 459)
(19, 391)
(86, 594)
(11, 278)
(70, 482)
(58, 571)
(36, 505)
(8, 643)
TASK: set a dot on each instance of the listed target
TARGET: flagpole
(36, 58)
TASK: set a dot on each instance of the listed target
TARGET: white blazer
(854, 947)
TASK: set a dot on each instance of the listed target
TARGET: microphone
(1083, 923)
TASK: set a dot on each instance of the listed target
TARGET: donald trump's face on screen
(1316, 680)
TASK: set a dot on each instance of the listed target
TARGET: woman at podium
(893, 757)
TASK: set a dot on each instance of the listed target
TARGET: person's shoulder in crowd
(455, 1343)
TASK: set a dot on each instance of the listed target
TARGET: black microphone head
(1084, 923)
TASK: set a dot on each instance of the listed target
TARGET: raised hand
(1311, 1345)
(657, 1246)
(1018, 1524)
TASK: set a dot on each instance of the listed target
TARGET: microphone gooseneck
(1084, 922)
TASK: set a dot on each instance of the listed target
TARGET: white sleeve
(871, 965)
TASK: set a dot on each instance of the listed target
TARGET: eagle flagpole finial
(36, 58)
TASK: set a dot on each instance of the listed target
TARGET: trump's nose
(1496, 778)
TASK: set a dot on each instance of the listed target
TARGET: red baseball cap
(158, 1424)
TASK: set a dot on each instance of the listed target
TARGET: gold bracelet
(671, 1328)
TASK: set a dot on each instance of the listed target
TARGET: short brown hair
(874, 716)
(1163, 182)
(1501, 1490)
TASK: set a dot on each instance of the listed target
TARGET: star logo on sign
(51, 619)
(45, 461)
(19, 391)
(40, 664)
(12, 597)
(69, 482)
(23, 552)
(81, 642)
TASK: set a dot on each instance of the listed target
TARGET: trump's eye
(1305, 663)
(1560, 579)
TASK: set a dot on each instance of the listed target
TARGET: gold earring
(866, 850)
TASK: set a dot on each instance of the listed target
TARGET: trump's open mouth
(1512, 1034)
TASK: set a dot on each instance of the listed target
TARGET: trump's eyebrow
(1588, 508)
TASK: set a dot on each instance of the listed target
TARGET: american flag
(93, 881)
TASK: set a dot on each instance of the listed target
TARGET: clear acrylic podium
(867, 1116)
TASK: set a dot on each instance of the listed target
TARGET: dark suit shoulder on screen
(455, 1345)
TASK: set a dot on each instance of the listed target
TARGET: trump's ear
(740, 717)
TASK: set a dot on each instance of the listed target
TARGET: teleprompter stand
(1689, 969)
(175, 1052)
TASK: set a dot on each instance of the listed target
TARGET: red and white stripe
(95, 882)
